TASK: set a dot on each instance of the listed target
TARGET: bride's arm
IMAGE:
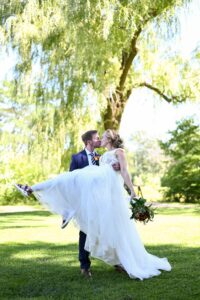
(124, 170)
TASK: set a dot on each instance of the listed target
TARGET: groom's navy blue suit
(79, 161)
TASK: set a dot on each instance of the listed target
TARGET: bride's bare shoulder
(119, 151)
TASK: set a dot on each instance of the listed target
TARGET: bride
(94, 197)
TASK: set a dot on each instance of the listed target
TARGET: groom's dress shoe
(119, 269)
(86, 273)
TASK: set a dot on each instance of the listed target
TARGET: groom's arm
(73, 164)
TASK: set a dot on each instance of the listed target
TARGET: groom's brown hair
(87, 136)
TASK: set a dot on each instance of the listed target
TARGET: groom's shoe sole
(86, 273)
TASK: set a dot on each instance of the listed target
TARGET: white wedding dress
(94, 197)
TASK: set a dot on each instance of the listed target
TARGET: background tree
(146, 164)
(77, 63)
(182, 180)
(107, 47)
(33, 139)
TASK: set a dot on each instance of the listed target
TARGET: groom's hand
(116, 166)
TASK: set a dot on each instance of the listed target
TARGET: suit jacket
(80, 160)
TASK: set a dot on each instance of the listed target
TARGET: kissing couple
(92, 193)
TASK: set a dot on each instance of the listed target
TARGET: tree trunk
(114, 110)
(116, 103)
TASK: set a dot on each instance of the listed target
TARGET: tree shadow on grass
(12, 218)
(48, 271)
(178, 211)
(40, 213)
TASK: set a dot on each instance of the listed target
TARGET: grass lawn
(38, 260)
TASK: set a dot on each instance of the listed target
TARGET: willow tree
(94, 53)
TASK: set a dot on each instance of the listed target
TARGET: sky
(154, 116)
(144, 111)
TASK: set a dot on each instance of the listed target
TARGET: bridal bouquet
(140, 210)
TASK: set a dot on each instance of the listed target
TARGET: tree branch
(178, 99)
(126, 66)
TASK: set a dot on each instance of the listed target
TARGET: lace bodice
(109, 158)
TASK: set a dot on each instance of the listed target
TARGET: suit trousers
(83, 254)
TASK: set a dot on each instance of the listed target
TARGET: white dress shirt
(89, 156)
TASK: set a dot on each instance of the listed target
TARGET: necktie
(92, 158)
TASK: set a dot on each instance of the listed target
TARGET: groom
(86, 157)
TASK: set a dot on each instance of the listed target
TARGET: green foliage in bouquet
(140, 211)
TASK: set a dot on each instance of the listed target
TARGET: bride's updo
(114, 138)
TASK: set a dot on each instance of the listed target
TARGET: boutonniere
(96, 157)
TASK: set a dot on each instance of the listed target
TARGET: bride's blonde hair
(114, 138)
